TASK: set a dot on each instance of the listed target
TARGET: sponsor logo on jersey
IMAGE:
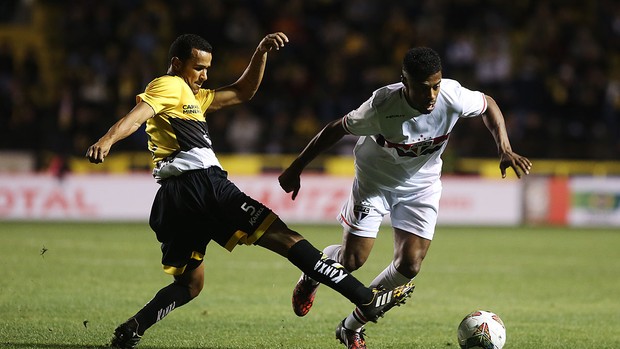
(395, 116)
(361, 210)
(191, 109)
(425, 147)
(254, 217)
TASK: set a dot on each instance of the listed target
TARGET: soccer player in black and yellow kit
(196, 203)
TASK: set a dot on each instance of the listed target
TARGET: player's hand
(290, 181)
(97, 152)
(520, 164)
(272, 41)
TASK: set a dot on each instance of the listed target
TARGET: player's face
(194, 69)
(422, 94)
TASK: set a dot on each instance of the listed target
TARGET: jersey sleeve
(205, 98)
(161, 94)
(473, 103)
(363, 120)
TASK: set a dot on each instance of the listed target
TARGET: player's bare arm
(124, 127)
(494, 121)
(290, 179)
(246, 86)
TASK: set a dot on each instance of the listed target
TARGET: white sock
(390, 278)
(355, 321)
(333, 252)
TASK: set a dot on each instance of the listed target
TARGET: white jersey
(400, 148)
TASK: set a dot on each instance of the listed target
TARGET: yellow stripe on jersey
(242, 238)
(261, 229)
(179, 123)
(174, 270)
(235, 239)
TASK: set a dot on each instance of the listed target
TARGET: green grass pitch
(67, 285)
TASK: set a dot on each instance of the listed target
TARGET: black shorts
(198, 206)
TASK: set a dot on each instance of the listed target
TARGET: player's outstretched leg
(306, 287)
(303, 295)
(371, 303)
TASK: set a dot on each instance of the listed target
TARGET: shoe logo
(384, 299)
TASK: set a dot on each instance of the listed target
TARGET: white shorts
(414, 212)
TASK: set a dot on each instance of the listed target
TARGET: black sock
(327, 271)
(166, 300)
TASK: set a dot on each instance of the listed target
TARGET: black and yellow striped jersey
(178, 133)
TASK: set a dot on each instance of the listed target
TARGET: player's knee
(194, 291)
(194, 283)
(409, 269)
(353, 262)
(194, 288)
(279, 238)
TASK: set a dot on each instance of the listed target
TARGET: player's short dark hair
(182, 46)
(421, 62)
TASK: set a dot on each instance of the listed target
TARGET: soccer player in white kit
(403, 129)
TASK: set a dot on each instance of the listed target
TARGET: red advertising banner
(465, 201)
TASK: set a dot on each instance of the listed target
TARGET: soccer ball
(481, 329)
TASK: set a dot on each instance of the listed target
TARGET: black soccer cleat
(126, 335)
(383, 301)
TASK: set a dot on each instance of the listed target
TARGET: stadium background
(69, 69)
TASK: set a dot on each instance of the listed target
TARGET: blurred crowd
(552, 65)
